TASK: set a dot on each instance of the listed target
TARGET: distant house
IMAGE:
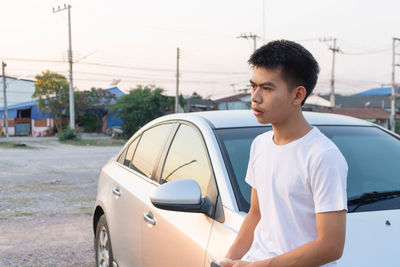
(375, 115)
(27, 119)
(376, 91)
(199, 104)
(363, 101)
(243, 101)
(111, 119)
(373, 105)
(239, 101)
(18, 90)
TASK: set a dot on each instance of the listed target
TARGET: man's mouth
(257, 112)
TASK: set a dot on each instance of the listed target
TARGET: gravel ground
(47, 193)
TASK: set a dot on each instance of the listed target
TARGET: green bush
(92, 123)
(140, 106)
(68, 134)
(397, 127)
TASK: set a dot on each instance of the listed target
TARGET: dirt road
(47, 192)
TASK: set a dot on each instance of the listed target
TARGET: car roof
(245, 118)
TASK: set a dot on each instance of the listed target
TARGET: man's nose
(255, 95)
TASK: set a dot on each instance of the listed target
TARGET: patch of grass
(18, 200)
(22, 214)
(68, 134)
(100, 142)
(80, 198)
(87, 211)
(91, 180)
(12, 145)
(35, 186)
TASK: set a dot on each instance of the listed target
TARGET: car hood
(372, 239)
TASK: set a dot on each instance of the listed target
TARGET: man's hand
(235, 263)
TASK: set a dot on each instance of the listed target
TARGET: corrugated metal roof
(116, 91)
(361, 113)
(376, 91)
(20, 105)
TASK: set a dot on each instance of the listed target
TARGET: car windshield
(371, 155)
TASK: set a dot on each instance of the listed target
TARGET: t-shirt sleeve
(329, 181)
(250, 179)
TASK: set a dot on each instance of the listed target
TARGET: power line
(130, 67)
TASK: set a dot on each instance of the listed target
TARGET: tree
(140, 106)
(195, 95)
(89, 107)
(51, 90)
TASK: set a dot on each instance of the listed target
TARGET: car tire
(102, 244)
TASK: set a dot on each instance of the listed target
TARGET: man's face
(271, 99)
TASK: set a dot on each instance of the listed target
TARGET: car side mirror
(181, 195)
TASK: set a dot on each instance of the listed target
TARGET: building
(199, 104)
(111, 119)
(373, 105)
(243, 101)
(239, 101)
(18, 90)
(27, 119)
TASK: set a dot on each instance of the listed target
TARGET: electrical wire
(128, 67)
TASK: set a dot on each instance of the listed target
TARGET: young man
(297, 214)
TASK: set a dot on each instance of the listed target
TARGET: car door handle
(149, 218)
(116, 191)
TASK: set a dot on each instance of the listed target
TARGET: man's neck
(291, 129)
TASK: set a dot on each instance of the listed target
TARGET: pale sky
(136, 41)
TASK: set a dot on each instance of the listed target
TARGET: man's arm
(245, 236)
(327, 247)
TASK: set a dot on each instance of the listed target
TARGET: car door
(128, 189)
(171, 238)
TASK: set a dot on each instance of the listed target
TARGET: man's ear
(299, 94)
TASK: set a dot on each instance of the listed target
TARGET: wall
(18, 91)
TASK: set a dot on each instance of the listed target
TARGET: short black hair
(297, 64)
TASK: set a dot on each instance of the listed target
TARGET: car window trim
(159, 167)
(138, 174)
(156, 163)
(217, 200)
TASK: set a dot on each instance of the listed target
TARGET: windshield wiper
(371, 197)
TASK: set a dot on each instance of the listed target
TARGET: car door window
(149, 148)
(130, 151)
(187, 159)
(121, 157)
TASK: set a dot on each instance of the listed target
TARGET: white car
(176, 196)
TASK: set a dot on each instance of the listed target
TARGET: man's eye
(267, 88)
(253, 85)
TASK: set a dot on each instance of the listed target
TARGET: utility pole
(334, 49)
(71, 85)
(3, 65)
(263, 21)
(392, 119)
(250, 36)
(177, 80)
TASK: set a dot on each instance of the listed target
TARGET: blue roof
(376, 91)
(35, 111)
(23, 105)
(115, 90)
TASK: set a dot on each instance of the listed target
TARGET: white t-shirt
(294, 182)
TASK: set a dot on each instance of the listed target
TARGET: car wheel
(102, 245)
